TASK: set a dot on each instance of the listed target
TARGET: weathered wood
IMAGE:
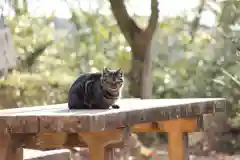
(51, 141)
(175, 146)
(48, 141)
(176, 130)
(185, 139)
(55, 126)
(58, 118)
(110, 150)
(191, 124)
(8, 149)
(109, 153)
(57, 140)
(97, 142)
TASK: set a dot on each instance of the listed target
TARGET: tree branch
(125, 22)
(153, 20)
(29, 61)
(196, 21)
(212, 9)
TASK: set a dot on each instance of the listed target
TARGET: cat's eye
(119, 81)
(120, 74)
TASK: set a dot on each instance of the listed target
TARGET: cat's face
(112, 80)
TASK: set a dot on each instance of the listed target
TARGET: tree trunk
(196, 20)
(140, 75)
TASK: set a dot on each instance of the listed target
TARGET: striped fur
(96, 90)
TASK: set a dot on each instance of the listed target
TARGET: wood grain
(9, 150)
(58, 118)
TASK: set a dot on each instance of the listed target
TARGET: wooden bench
(55, 126)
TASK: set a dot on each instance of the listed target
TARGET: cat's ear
(105, 70)
(119, 71)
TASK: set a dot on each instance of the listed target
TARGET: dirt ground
(195, 154)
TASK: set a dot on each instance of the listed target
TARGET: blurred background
(167, 49)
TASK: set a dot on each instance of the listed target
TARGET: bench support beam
(176, 130)
(101, 144)
(98, 141)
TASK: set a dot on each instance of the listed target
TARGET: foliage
(94, 28)
(51, 58)
(60, 55)
(31, 79)
(181, 69)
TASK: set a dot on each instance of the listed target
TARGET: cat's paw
(115, 106)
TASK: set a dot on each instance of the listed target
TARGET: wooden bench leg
(99, 140)
(8, 150)
(175, 146)
(110, 153)
(176, 131)
(186, 153)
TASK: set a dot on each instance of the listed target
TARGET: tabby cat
(96, 90)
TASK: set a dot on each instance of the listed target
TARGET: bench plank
(58, 118)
